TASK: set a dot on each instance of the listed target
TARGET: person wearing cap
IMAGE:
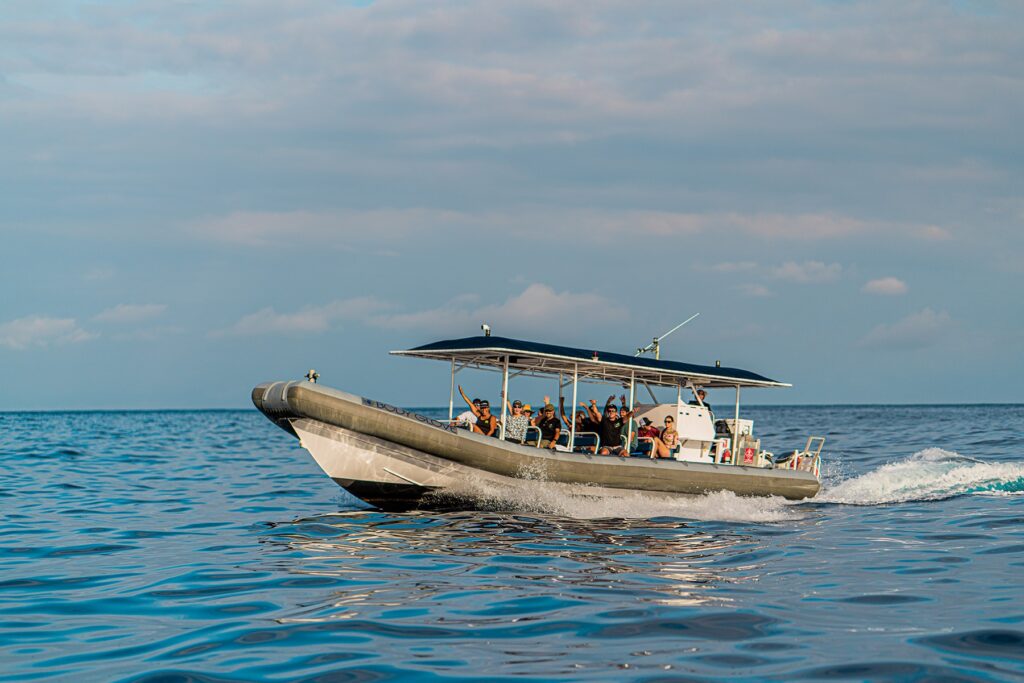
(484, 423)
(609, 426)
(550, 427)
(515, 426)
(466, 418)
(647, 429)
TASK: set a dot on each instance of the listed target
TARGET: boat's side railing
(808, 460)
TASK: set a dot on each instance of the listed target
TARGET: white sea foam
(583, 502)
(931, 474)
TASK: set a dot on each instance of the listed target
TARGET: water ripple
(178, 546)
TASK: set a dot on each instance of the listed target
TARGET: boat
(398, 459)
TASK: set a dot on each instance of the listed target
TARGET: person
(484, 422)
(466, 418)
(515, 427)
(583, 423)
(701, 400)
(647, 429)
(669, 435)
(609, 426)
(550, 427)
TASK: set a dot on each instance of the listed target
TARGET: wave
(931, 474)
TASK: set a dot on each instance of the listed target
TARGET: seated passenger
(648, 430)
(609, 427)
(669, 435)
(549, 427)
(466, 418)
(486, 423)
(515, 427)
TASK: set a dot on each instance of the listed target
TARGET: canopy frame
(527, 359)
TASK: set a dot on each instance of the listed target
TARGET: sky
(196, 197)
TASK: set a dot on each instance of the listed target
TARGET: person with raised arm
(486, 423)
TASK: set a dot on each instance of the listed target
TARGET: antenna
(655, 344)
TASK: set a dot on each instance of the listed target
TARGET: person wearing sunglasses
(486, 423)
(669, 437)
(609, 426)
(550, 427)
(515, 427)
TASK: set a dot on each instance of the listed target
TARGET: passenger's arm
(476, 411)
(554, 439)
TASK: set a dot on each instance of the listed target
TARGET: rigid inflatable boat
(393, 458)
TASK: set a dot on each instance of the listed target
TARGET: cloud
(535, 308)
(753, 290)
(310, 319)
(351, 229)
(886, 286)
(41, 331)
(808, 272)
(733, 267)
(343, 228)
(916, 331)
(127, 313)
(98, 274)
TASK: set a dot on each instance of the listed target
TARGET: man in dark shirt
(701, 395)
(609, 427)
(549, 425)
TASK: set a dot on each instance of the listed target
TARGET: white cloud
(127, 313)
(305, 320)
(916, 331)
(534, 309)
(733, 267)
(41, 331)
(886, 286)
(757, 291)
(808, 272)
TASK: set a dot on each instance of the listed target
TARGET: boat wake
(931, 474)
(582, 502)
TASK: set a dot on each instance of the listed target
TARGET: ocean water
(206, 546)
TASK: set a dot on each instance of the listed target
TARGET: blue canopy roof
(534, 358)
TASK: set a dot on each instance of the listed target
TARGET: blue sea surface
(207, 546)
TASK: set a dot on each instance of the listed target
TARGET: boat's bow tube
(372, 441)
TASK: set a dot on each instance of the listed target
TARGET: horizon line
(442, 407)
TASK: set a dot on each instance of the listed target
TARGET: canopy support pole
(736, 426)
(572, 427)
(629, 430)
(451, 396)
(560, 388)
(504, 397)
(647, 386)
(679, 395)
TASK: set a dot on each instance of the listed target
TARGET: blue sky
(201, 196)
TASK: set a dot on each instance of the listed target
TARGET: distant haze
(198, 197)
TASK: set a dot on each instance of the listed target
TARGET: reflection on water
(663, 562)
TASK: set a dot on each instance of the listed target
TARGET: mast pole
(504, 397)
(451, 395)
(632, 390)
(572, 427)
(736, 426)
